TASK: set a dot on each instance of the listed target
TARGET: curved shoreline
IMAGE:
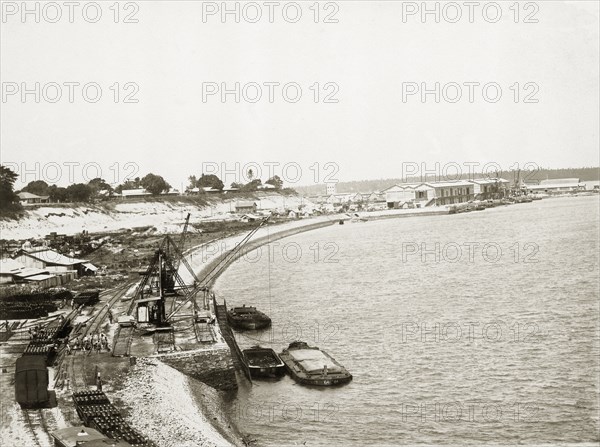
(279, 231)
(226, 425)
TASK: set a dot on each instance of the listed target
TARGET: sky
(340, 99)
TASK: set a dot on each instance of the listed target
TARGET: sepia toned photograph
(299, 223)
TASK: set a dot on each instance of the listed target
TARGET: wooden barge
(263, 362)
(312, 366)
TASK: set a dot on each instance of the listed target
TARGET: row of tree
(98, 188)
(212, 181)
(95, 189)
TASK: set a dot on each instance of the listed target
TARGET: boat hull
(247, 318)
(263, 363)
(297, 371)
(248, 324)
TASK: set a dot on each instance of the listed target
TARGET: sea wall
(213, 367)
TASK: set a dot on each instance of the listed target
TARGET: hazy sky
(179, 50)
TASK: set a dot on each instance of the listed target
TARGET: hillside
(165, 214)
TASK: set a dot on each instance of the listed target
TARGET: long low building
(558, 185)
(13, 272)
(54, 262)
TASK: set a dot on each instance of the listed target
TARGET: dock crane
(182, 242)
(164, 266)
(225, 260)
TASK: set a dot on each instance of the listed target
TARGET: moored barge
(263, 362)
(248, 318)
(312, 366)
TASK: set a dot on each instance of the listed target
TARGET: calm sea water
(490, 337)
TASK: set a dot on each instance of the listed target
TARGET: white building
(558, 185)
(442, 193)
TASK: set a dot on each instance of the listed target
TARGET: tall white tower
(331, 188)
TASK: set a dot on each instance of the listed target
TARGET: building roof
(40, 277)
(28, 195)
(423, 187)
(53, 257)
(245, 203)
(71, 435)
(404, 186)
(90, 266)
(488, 181)
(28, 272)
(559, 181)
(134, 192)
(251, 216)
(10, 266)
(450, 184)
(555, 185)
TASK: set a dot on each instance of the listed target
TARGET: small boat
(247, 317)
(356, 218)
(312, 366)
(263, 362)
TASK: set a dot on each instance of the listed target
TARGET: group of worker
(97, 342)
(38, 332)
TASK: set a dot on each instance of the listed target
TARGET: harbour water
(489, 337)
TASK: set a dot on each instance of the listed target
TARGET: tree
(129, 184)
(99, 184)
(37, 187)
(275, 181)
(210, 180)
(252, 186)
(250, 174)
(193, 180)
(154, 184)
(58, 193)
(7, 195)
(79, 192)
(100, 188)
(237, 185)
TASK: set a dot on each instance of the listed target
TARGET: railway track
(94, 324)
(34, 420)
(76, 374)
(97, 320)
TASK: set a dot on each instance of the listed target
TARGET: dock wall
(213, 367)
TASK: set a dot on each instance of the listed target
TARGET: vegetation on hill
(9, 205)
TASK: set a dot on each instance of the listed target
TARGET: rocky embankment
(162, 402)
